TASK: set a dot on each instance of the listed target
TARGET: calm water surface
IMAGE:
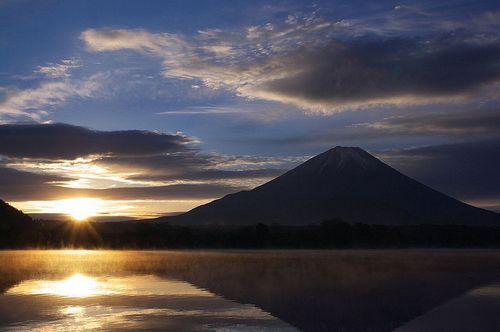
(241, 290)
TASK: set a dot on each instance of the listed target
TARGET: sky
(145, 108)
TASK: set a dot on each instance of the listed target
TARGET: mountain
(344, 182)
(11, 215)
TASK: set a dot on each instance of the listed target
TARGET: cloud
(142, 180)
(468, 171)
(117, 39)
(16, 184)
(58, 70)
(364, 73)
(26, 186)
(174, 49)
(57, 161)
(329, 66)
(63, 141)
(394, 128)
(204, 110)
(218, 175)
(34, 103)
(178, 192)
(481, 123)
(192, 167)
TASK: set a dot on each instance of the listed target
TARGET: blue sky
(243, 87)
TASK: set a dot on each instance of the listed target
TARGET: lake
(272, 290)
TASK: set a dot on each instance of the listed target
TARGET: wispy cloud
(201, 110)
(35, 103)
(328, 66)
(482, 123)
(58, 70)
(173, 48)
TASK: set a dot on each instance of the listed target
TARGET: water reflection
(476, 310)
(79, 285)
(234, 290)
(136, 302)
(75, 286)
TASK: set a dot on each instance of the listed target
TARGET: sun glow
(80, 208)
(105, 208)
(78, 285)
(75, 286)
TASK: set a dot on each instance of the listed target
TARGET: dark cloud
(389, 130)
(63, 141)
(164, 164)
(464, 170)
(13, 178)
(173, 192)
(386, 70)
(216, 175)
(188, 166)
(21, 186)
(478, 123)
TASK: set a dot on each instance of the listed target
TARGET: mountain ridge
(10, 215)
(343, 182)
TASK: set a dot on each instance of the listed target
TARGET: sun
(80, 208)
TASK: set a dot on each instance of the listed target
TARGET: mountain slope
(343, 182)
(10, 215)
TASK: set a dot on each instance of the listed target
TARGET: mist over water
(233, 290)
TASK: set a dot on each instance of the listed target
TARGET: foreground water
(246, 290)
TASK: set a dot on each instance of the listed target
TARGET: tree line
(333, 233)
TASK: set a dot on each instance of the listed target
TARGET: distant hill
(344, 182)
(9, 215)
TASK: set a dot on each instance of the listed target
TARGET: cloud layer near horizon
(475, 124)
(141, 165)
(468, 170)
(56, 161)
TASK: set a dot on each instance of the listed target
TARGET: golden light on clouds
(78, 209)
(95, 208)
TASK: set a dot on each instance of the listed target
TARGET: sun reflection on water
(72, 310)
(82, 286)
(77, 285)
(130, 302)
